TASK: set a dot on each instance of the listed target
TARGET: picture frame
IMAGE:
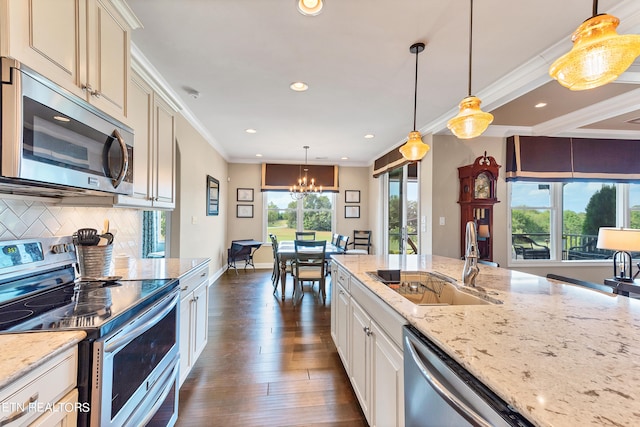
(213, 196)
(244, 211)
(352, 211)
(352, 196)
(244, 195)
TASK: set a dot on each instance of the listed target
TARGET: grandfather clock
(477, 197)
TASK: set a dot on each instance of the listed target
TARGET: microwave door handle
(125, 159)
(460, 407)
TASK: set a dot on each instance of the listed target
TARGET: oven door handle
(111, 346)
(152, 412)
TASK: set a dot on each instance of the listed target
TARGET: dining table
(287, 252)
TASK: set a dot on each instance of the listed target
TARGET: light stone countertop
(563, 355)
(23, 352)
(159, 268)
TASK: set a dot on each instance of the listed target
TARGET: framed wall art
(352, 211)
(244, 211)
(352, 196)
(245, 195)
(213, 196)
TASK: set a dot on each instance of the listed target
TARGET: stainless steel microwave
(51, 138)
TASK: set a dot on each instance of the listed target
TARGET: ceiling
(240, 56)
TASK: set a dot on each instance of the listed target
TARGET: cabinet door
(342, 324)
(387, 381)
(108, 66)
(360, 356)
(185, 337)
(200, 318)
(164, 190)
(49, 37)
(62, 415)
(140, 109)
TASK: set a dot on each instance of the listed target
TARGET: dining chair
(275, 275)
(309, 266)
(334, 239)
(361, 242)
(343, 241)
(305, 235)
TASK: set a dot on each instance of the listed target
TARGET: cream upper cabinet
(82, 45)
(165, 153)
(153, 121)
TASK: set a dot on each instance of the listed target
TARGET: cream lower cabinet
(374, 359)
(194, 305)
(340, 305)
(45, 397)
(82, 45)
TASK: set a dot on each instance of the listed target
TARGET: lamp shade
(471, 121)
(414, 149)
(483, 231)
(599, 54)
(619, 239)
(310, 7)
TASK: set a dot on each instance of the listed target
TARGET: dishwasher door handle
(452, 400)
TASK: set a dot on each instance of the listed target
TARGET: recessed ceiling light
(541, 104)
(250, 130)
(310, 7)
(61, 119)
(258, 155)
(344, 158)
(299, 86)
(369, 136)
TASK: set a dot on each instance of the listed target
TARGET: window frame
(623, 219)
(300, 210)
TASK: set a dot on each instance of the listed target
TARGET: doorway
(402, 209)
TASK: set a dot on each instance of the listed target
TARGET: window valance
(544, 158)
(280, 177)
(391, 160)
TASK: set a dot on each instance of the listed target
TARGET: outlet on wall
(441, 220)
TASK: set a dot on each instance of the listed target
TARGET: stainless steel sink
(431, 288)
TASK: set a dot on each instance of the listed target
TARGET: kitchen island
(562, 355)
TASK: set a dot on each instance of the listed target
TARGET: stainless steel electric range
(128, 364)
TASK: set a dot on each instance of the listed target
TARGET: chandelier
(599, 54)
(414, 149)
(305, 186)
(471, 121)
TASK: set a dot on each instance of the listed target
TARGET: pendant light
(304, 186)
(414, 149)
(471, 121)
(599, 54)
(310, 7)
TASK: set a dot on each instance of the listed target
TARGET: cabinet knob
(95, 93)
(87, 88)
(367, 331)
(185, 288)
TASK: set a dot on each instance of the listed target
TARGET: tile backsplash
(23, 218)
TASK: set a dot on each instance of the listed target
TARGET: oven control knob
(62, 248)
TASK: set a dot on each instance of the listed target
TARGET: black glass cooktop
(96, 307)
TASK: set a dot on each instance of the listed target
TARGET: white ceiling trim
(603, 110)
(141, 65)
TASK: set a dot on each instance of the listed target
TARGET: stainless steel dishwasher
(438, 392)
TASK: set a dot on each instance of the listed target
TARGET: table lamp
(621, 240)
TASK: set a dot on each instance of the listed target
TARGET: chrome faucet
(470, 270)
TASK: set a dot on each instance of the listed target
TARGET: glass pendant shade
(310, 7)
(599, 54)
(414, 149)
(471, 121)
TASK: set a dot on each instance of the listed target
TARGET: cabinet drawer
(66, 414)
(343, 278)
(192, 279)
(45, 385)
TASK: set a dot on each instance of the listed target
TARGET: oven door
(136, 366)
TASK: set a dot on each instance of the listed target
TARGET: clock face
(482, 186)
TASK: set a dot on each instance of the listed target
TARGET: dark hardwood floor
(267, 362)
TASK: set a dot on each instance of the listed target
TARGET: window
(560, 220)
(285, 216)
(154, 232)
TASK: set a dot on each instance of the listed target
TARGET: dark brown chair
(309, 266)
(361, 243)
(305, 235)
